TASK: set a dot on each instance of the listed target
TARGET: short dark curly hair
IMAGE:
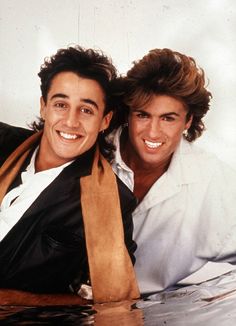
(86, 63)
(166, 72)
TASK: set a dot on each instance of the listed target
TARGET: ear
(106, 121)
(189, 122)
(42, 108)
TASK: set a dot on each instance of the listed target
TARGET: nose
(72, 119)
(154, 129)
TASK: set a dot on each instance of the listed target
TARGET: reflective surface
(211, 303)
(50, 315)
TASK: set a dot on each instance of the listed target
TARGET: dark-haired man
(53, 187)
(186, 214)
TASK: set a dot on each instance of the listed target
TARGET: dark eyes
(142, 115)
(168, 118)
(86, 110)
(60, 105)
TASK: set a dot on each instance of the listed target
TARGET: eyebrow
(169, 113)
(89, 101)
(60, 95)
(139, 110)
(85, 100)
(162, 115)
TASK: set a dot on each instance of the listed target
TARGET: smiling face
(74, 115)
(155, 132)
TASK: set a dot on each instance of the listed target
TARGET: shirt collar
(30, 170)
(117, 157)
(182, 167)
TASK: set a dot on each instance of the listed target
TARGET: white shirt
(25, 194)
(187, 218)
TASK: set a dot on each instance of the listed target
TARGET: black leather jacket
(45, 251)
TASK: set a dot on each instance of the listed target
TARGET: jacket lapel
(63, 185)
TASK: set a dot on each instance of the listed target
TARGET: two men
(184, 218)
(186, 214)
(56, 230)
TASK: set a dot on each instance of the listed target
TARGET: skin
(155, 132)
(22, 298)
(74, 115)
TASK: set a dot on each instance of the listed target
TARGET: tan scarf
(111, 271)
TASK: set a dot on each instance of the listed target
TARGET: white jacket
(187, 218)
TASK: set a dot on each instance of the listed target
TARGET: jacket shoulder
(128, 201)
(10, 138)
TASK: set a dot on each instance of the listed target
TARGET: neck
(138, 166)
(145, 174)
(43, 162)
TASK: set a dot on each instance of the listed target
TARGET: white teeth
(68, 136)
(151, 144)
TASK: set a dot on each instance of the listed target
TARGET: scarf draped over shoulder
(111, 271)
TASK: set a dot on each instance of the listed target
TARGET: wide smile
(69, 136)
(152, 145)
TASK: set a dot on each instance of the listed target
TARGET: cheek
(135, 128)
(51, 118)
(47, 125)
(92, 130)
(175, 136)
(173, 130)
(132, 133)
